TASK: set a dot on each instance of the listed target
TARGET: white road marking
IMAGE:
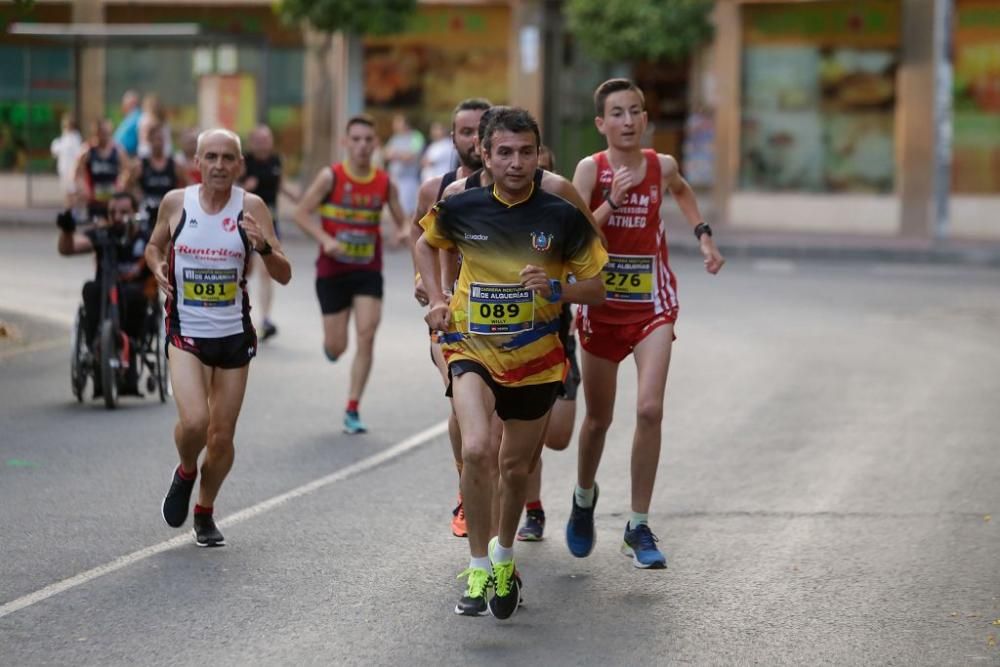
(395, 451)
(33, 347)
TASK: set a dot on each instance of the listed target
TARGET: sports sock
(482, 563)
(198, 509)
(186, 476)
(352, 405)
(584, 497)
(638, 518)
(502, 554)
(533, 505)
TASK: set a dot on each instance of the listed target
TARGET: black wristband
(266, 250)
(607, 198)
(702, 228)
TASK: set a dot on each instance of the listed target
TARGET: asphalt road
(826, 495)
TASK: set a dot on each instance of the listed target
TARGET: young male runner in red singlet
(624, 185)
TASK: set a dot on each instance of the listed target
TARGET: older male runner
(518, 245)
(199, 253)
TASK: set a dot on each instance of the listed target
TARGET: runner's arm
(688, 204)
(428, 190)
(80, 173)
(180, 175)
(561, 187)
(309, 202)
(73, 243)
(159, 239)
(259, 227)
(396, 211)
(585, 180)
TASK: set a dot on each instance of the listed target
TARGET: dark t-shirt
(268, 175)
(128, 250)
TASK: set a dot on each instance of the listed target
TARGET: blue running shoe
(353, 423)
(640, 546)
(580, 535)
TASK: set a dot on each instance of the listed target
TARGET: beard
(472, 160)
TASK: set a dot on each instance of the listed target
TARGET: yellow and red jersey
(496, 322)
(352, 214)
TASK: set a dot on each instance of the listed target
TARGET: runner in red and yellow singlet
(624, 185)
(349, 198)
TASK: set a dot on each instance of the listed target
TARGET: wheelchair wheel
(109, 363)
(77, 364)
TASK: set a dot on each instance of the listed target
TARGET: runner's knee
(597, 423)
(649, 413)
(333, 350)
(193, 426)
(477, 452)
(515, 471)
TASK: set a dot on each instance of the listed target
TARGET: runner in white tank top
(199, 251)
(209, 256)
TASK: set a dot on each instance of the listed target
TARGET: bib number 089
(498, 310)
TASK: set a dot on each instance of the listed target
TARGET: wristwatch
(556, 288)
(702, 228)
(266, 250)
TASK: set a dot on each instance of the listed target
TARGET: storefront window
(819, 96)
(976, 139)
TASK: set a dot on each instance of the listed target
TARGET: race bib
(103, 191)
(629, 278)
(500, 309)
(356, 247)
(209, 288)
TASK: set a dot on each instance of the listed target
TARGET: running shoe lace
(645, 537)
(477, 582)
(504, 573)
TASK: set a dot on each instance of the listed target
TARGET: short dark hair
(360, 119)
(122, 194)
(511, 119)
(614, 86)
(472, 104)
(484, 120)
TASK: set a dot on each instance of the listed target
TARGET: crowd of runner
(502, 247)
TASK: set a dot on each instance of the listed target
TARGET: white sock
(638, 518)
(584, 497)
(502, 554)
(482, 563)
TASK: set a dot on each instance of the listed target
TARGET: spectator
(440, 154)
(153, 117)
(185, 156)
(127, 133)
(403, 155)
(66, 150)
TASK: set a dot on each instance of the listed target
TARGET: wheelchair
(108, 363)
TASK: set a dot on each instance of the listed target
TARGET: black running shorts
(528, 402)
(234, 351)
(337, 293)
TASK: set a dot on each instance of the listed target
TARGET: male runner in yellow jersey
(518, 245)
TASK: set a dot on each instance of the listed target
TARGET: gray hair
(223, 131)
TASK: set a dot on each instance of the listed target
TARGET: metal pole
(27, 125)
(944, 12)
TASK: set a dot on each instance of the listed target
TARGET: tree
(353, 19)
(627, 30)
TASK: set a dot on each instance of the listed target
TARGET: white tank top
(208, 261)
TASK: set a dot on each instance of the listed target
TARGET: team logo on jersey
(541, 241)
(193, 224)
(229, 224)
(654, 193)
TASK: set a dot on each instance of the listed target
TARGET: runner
(350, 197)
(101, 169)
(623, 185)
(262, 176)
(199, 253)
(155, 175)
(464, 128)
(518, 244)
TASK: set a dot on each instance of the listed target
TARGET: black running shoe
(534, 526)
(506, 587)
(205, 532)
(175, 504)
(269, 330)
(473, 602)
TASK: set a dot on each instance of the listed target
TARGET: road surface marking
(361, 466)
(33, 347)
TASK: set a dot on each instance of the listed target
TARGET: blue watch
(556, 288)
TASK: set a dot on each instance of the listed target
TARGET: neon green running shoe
(506, 586)
(473, 602)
